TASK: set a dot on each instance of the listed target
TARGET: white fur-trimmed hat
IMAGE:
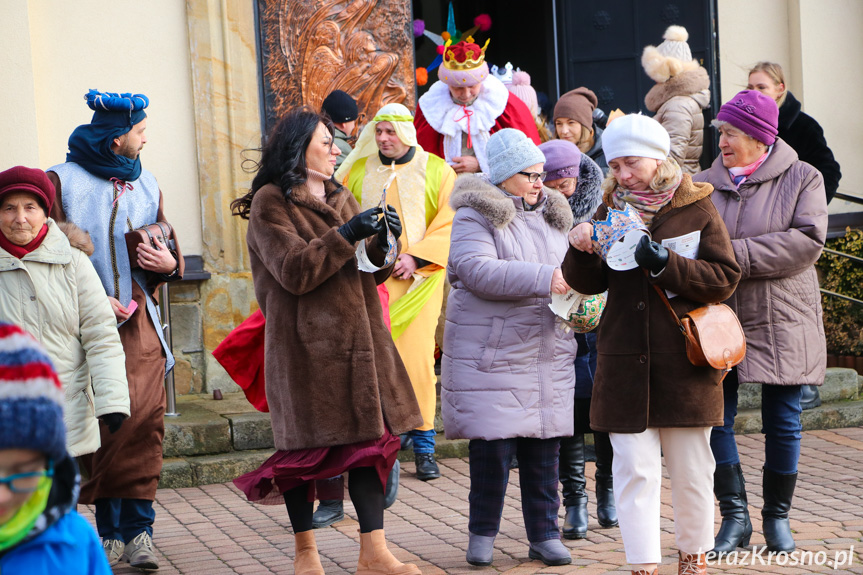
(670, 58)
(635, 135)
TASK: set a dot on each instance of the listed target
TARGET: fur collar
(789, 111)
(472, 191)
(688, 192)
(588, 191)
(77, 237)
(684, 84)
(336, 198)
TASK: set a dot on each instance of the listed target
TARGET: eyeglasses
(566, 187)
(27, 482)
(532, 177)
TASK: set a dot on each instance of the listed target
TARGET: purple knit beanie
(754, 114)
(562, 159)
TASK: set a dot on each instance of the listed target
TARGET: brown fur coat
(332, 371)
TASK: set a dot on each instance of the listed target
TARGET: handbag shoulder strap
(667, 303)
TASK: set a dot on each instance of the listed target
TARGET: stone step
(839, 384)
(214, 441)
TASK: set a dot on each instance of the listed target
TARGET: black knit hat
(340, 107)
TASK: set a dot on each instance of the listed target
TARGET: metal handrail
(848, 198)
(852, 258)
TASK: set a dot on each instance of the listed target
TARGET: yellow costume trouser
(416, 348)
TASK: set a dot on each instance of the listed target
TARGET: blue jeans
(423, 440)
(781, 426)
(124, 519)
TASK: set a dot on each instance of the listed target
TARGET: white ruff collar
(449, 119)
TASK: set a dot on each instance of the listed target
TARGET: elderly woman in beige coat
(775, 209)
(681, 92)
(49, 287)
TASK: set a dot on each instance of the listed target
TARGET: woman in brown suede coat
(646, 393)
(336, 387)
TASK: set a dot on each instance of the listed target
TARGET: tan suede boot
(376, 559)
(694, 564)
(306, 559)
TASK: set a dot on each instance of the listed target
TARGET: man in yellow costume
(418, 185)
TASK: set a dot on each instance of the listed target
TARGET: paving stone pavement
(213, 530)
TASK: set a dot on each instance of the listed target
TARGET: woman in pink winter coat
(775, 209)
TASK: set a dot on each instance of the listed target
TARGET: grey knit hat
(509, 152)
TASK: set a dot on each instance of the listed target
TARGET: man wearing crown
(418, 185)
(103, 189)
(457, 115)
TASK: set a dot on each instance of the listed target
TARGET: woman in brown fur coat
(681, 92)
(337, 390)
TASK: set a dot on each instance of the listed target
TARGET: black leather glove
(651, 255)
(362, 226)
(113, 421)
(395, 227)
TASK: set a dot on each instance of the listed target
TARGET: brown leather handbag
(714, 336)
(148, 234)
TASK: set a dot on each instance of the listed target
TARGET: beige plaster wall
(818, 44)
(117, 46)
(18, 146)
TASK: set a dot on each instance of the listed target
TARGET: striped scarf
(649, 202)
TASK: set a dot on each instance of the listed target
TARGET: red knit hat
(30, 180)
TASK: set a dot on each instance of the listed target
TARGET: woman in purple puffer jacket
(507, 371)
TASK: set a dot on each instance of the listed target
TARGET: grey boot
(480, 549)
(550, 552)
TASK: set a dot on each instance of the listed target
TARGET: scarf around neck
(90, 147)
(740, 175)
(649, 202)
(21, 251)
(17, 528)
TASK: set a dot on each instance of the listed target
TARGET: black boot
(427, 468)
(730, 490)
(778, 492)
(606, 513)
(392, 489)
(328, 512)
(572, 479)
(810, 399)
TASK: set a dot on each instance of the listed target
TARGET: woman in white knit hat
(681, 92)
(646, 394)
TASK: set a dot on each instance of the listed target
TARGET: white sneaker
(113, 550)
(139, 553)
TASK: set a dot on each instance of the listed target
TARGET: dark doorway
(521, 33)
(601, 42)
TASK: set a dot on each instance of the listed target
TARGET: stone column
(222, 47)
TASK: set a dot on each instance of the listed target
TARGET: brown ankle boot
(646, 572)
(694, 564)
(376, 559)
(306, 560)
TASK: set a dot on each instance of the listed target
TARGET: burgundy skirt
(285, 470)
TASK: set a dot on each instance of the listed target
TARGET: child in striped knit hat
(40, 532)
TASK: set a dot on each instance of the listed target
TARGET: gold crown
(470, 62)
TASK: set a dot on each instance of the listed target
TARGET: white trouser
(637, 472)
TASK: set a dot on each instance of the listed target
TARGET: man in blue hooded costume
(103, 189)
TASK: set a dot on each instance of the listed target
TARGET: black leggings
(367, 495)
